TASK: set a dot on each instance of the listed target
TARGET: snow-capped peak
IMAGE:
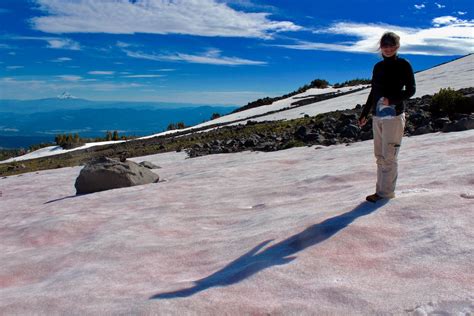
(66, 95)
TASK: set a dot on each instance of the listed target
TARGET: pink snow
(249, 233)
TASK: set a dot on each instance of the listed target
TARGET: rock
(347, 118)
(251, 142)
(419, 119)
(230, 143)
(301, 132)
(105, 174)
(419, 311)
(366, 135)
(330, 141)
(311, 137)
(149, 165)
(441, 122)
(16, 167)
(461, 125)
(423, 130)
(266, 146)
(350, 131)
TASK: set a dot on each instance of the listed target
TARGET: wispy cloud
(143, 76)
(123, 44)
(69, 77)
(61, 59)
(211, 57)
(101, 72)
(21, 88)
(440, 6)
(448, 36)
(15, 67)
(203, 18)
(163, 70)
(53, 42)
(419, 6)
(61, 43)
(6, 46)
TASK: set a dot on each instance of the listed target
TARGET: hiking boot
(373, 198)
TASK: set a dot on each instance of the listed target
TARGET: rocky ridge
(337, 127)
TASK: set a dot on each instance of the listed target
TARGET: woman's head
(389, 44)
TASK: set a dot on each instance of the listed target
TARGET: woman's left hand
(386, 101)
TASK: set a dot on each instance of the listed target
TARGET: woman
(393, 82)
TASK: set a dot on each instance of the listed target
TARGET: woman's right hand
(362, 121)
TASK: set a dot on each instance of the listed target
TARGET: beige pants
(388, 135)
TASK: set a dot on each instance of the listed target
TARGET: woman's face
(389, 50)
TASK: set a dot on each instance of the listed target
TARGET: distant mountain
(24, 123)
(66, 95)
(67, 102)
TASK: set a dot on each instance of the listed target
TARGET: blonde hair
(389, 38)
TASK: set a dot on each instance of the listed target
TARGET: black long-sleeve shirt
(393, 79)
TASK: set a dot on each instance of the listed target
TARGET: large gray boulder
(106, 173)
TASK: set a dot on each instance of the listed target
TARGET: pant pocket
(393, 150)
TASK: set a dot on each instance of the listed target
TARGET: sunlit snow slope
(251, 233)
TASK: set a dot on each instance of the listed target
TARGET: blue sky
(213, 51)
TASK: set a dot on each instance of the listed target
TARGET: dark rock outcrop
(106, 173)
(336, 128)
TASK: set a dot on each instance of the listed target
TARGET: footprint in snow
(416, 190)
(469, 196)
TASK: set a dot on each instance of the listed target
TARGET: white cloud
(448, 36)
(114, 86)
(143, 76)
(211, 57)
(192, 17)
(63, 44)
(69, 77)
(101, 72)
(440, 6)
(53, 42)
(15, 67)
(419, 6)
(446, 20)
(61, 59)
(462, 13)
(12, 53)
(122, 44)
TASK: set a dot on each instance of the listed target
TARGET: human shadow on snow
(278, 254)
